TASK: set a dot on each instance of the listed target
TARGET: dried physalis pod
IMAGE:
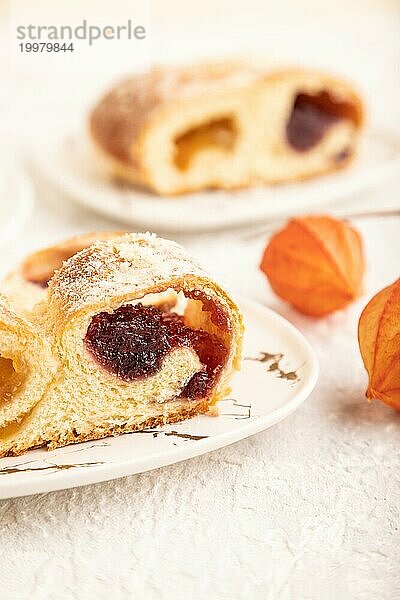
(315, 263)
(379, 340)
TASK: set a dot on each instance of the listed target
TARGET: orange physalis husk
(316, 263)
(379, 340)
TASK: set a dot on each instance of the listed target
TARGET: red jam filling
(132, 342)
(309, 121)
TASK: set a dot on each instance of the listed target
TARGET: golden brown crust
(192, 409)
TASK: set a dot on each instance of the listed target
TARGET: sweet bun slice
(26, 366)
(226, 125)
(127, 362)
(27, 285)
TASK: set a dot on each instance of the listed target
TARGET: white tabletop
(308, 509)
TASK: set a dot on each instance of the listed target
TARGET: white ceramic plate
(69, 163)
(16, 201)
(279, 371)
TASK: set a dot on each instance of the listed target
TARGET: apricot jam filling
(216, 133)
(132, 342)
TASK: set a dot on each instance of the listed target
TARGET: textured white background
(306, 510)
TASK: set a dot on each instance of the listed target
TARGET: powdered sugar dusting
(129, 264)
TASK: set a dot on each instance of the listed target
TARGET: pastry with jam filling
(126, 360)
(225, 125)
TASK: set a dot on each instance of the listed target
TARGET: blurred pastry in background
(225, 125)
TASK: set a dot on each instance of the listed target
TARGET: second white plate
(69, 163)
